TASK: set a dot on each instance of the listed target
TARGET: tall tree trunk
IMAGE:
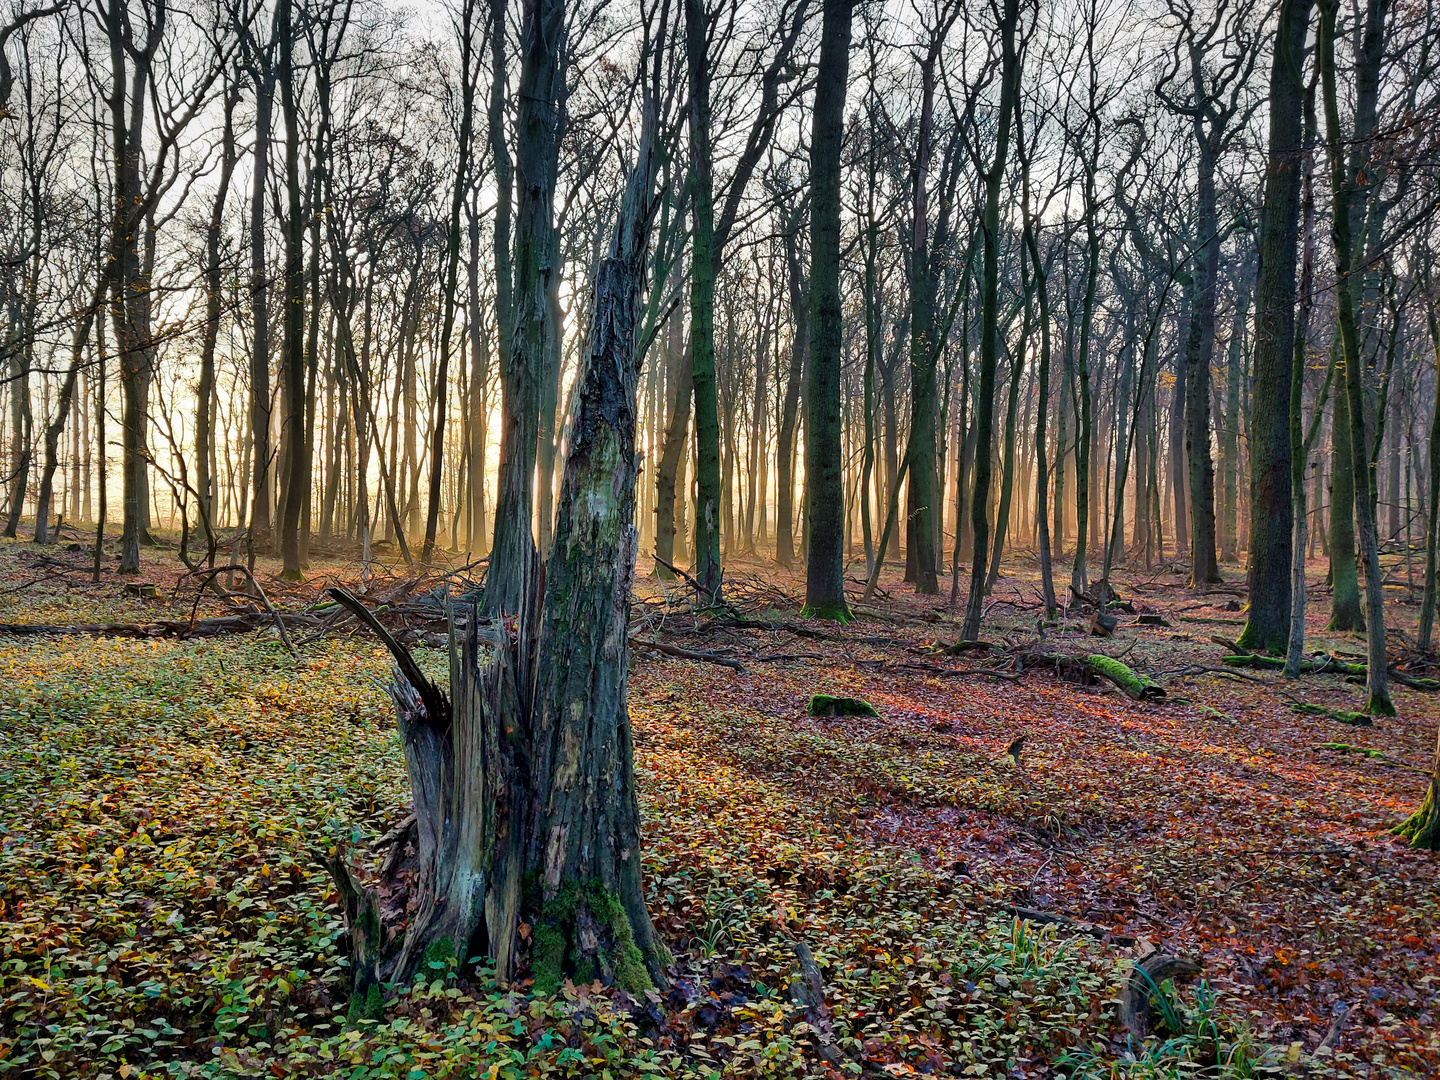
(292, 354)
(824, 465)
(260, 498)
(466, 30)
(1345, 611)
(542, 67)
(1432, 518)
(1175, 470)
(1343, 182)
(799, 290)
(1007, 472)
(990, 318)
(1230, 435)
(479, 380)
(922, 562)
(1204, 567)
(702, 302)
(1300, 444)
(63, 408)
(214, 284)
(1272, 509)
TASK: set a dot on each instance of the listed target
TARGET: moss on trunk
(1422, 828)
(835, 612)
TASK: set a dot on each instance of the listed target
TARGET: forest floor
(162, 801)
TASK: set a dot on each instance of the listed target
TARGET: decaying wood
(1145, 977)
(807, 989)
(1331, 664)
(1102, 625)
(523, 780)
(1087, 667)
(1337, 1029)
(160, 628)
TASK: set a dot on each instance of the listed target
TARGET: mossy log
(1134, 684)
(1330, 665)
(1277, 663)
(1345, 716)
(830, 705)
(1088, 667)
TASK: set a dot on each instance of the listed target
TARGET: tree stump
(524, 785)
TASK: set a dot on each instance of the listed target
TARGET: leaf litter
(163, 913)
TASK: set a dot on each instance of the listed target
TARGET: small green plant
(724, 910)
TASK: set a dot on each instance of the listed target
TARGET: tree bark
(542, 67)
(1343, 182)
(525, 788)
(1272, 521)
(824, 466)
(790, 407)
(990, 321)
(292, 352)
(702, 303)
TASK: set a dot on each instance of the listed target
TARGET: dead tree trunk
(524, 785)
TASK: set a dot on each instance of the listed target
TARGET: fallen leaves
(162, 912)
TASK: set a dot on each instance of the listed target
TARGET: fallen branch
(807, 989)
(210, 575)
(1034, 915)
(687, 654)
(937, 671)
(1190, 670)
(1337, 1028)
(1377, 755)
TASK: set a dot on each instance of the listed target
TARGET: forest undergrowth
(164, 804)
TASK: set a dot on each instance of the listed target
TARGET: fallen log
(1086, 667)
(1345, 716)
(740, 622)
(1330, 665)
(1054, 918)
(1277, 663)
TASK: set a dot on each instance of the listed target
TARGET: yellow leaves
(40, 984)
